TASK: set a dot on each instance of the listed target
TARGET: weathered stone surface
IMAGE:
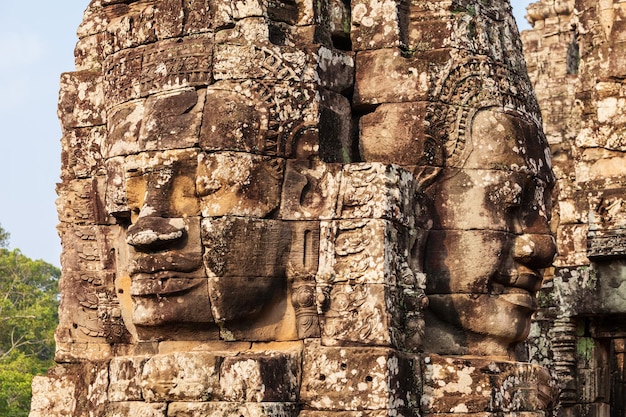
(81, 153)
(310, 190)
(375, 24)
(357, 252)
(136, 408)
(394, 133)
(192, 376)
(260, 377)
(386, 76)
(264, 409)
(53, 395)
(471, 385)
(224, 254)
(358, 313)
(236, 184)
(125, 378)
(251, 293)
(361, 413)
(352, 378)
(277, 117)
(377, 191)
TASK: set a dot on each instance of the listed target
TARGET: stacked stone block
(246, 209)
(575, 59)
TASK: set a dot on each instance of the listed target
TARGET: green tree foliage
(4, 238)
(28, 316)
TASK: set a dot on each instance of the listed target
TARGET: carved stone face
(184, 263)
(490, 239)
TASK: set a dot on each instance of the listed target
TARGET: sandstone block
(264, 241)
(172, 120)
(457, 385)
(227, 12)
(388, 76)
(250, 30)
(130, 74)
(377, 191)
(238, 184)
(425, 33)
(356, 378)
(260, 377)
(364, 314)
(125, 378)
(572, 240)
(53, 396)
(86, 248)
(81, 100)
(393, 412)
(122, 76)
(136, 409)
(80, 202)
(310, 190)
(124, 124)
(90, 311)
(89, 53)
(276, 119)
(133, 28)
(267, 62)
(483, 199)
(394, 133)
(181, 376)
(249, 293)
(251, 409)
(364, 251)
(173, 63)
(81, 152)
(69, 352)
(375, 24)
(335, 69)
(198, 16)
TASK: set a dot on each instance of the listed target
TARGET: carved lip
(164, 263)
(523, 278)
(164, 282)
(518, 287)
(520, 298)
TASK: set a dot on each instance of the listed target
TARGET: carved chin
(505, 317)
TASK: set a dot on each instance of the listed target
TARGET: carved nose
(151, 233)
(535, 250)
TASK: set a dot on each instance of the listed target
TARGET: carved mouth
(165, 263)
(519, 297)
(518, 287)
(523, 278)
(164, 283)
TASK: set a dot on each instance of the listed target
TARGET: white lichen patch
(242, 381)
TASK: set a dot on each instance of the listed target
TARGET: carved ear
(425, 175)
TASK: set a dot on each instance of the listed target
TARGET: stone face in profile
(491, 238)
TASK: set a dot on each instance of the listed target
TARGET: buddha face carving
(175, 263)
(491, 238)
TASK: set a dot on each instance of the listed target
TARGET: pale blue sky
(37, 40)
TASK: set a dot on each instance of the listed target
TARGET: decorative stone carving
(292, 208)
(576, 63)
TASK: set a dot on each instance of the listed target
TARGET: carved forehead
(508, 141)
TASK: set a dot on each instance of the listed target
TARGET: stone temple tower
(299, 208)
(577, 62)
